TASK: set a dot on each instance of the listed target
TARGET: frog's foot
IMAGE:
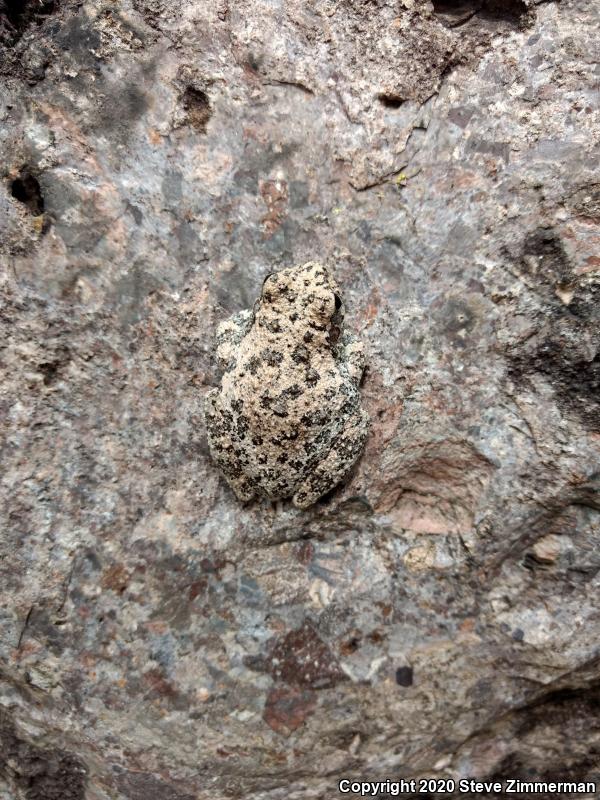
(229, 335)
(241, 486)
(222, 450)
(345, 449)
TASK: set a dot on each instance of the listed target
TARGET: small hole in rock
(49, 372)
(457, 7)
(390, 100)
(351, 646)
(26, 189)
(404, 676)
(197, 106)
(505, 10)
(19, 14)
(328, 497)
(454, 13)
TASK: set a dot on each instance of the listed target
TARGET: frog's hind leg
(345, 449)
(222, 449)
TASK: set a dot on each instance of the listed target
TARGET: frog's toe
(302, 499)
(243, 490)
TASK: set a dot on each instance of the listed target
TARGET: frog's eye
(338, 301)
(270, 275)
(266, 291)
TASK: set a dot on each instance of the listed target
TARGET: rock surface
(438, 614)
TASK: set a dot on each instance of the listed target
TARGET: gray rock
(437, 615)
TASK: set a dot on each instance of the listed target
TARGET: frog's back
(286, 411)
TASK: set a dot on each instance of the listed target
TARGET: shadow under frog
(287, 420)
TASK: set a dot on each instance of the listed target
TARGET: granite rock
(437, 614)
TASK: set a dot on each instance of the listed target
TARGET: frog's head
(305, 294)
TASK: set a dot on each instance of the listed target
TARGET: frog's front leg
(352, 355)
(219, 428)
(229, 335)
(334, 467)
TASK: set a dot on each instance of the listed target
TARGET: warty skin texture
(287, 420)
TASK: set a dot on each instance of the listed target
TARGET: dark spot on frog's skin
(290, 436)
(253, 365)
(312, 377)
(404, 676)
(282, 485)
(262, 459)
(317, 327)
(273, 326)
(279, 407)
(293, 391)
(282, 458)
(266, 401)
(322, 438)
(271, 357)
(257, 441)
(301, 354)
(308, 336)
(293, 317)
(334, 335)
(242, 426)
(347, 408)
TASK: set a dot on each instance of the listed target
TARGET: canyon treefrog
(287, 420)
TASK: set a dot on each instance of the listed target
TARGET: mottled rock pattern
(158, 159)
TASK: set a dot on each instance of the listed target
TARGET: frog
(287, 421)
